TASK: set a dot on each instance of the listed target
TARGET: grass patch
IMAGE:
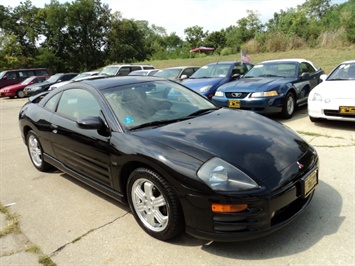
(80, 237)
(325, 58)
(46, 261)
(12, 220)
(34, 249)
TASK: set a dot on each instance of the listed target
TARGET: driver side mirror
(304, 75)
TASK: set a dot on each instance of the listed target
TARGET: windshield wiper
(157, 123)
(268, 75)
(202, 111)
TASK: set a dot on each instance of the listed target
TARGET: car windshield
(285, 70)
(168, 73)
(155, 103)
(343, 71)
(26, 81)
(53, 78)
(2, 74)
(212, 71)
(110, 71)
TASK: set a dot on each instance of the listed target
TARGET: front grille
(240, 96)
(336, 113)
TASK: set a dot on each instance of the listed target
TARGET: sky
(177, 15)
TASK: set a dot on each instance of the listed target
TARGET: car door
(306, 80)
(84, 151)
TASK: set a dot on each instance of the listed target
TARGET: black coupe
(180, 162)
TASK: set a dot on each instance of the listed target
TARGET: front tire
(35, 151)
(20, 94)
(154, 204)
(289, 106)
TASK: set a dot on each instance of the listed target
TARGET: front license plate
(234, 103)
(309, 183)
(350, 110)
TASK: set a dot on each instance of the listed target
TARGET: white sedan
(334, 98)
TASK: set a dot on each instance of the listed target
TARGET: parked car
(15, 76)
(40, 87)
(143, 72)
(334, 98)
(208, 78)
(275, 86)
(177, 73)
(16, 90)
(125, 137)
(77, 77)
(123, 70)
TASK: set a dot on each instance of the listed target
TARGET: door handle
(54, 128)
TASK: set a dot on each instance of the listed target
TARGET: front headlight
(205, 88)
(316, 97)
(265, 94)
(222, 176)
(219, 94)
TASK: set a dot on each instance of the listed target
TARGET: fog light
(229, 207)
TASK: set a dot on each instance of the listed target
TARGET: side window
(25, 74)
(303, 68)
(67, 77)
(41, 72)
(12, 75)
(77, 103)
(124, 71)
(188, 72)
(52, 103)
(310, 69)
(135, 68)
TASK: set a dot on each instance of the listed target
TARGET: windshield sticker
(128, 120)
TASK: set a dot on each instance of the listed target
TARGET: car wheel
(289, 106)
(154, 204)
(36, 153)
(314, 119)
(20, 94)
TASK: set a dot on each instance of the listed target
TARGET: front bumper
(330, 111)
(265, 213)
(259, 105)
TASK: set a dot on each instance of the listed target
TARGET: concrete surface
(75, 225)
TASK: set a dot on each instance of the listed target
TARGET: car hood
(44, 83)
(255, 144)
(198, 83)
(15, 86)
(255, 84)
(339, 89)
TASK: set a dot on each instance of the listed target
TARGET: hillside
(327, 59)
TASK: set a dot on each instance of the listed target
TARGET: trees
(84, 35)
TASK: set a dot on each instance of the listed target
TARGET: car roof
(297, 60)
(347, 62)
(179, 67)
(118, 65)
(105, 82)
(225, 62)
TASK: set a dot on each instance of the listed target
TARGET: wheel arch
(132, 165)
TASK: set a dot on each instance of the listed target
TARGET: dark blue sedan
(208, 78)
(276, 86)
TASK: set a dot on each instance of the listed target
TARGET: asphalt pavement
(71, 224)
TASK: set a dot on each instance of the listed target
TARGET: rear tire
(289, 106)
(154, 204)
(35, 151)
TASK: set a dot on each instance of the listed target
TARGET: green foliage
(84, 35)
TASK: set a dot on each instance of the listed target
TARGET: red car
(17, 89)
